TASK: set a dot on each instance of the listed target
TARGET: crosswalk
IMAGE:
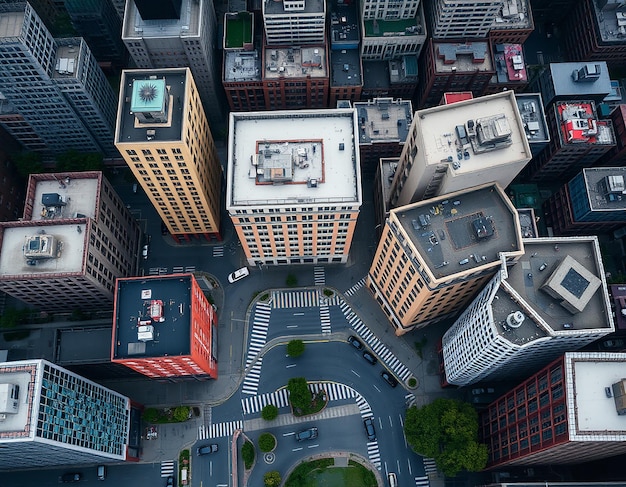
(219, 430)
(319, 276)
(384, 354)
(374, 453)
(355, 288)
(258, 335)
(422, 481)
(179, 269)
(364, 407)
(325, 318)
(409, 399)
(295, 299)
(430, 466)
(218, 251)
(167, 468)
(157, 271)
(251, 382)
(280, 398)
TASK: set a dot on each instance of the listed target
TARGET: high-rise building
(164, 137)
(178, 34)
(592, 202)
(457, 146)
(75, 239)
(452, 66)
(294, 184)
(462, 19)
(11, 183)
(579, 139)
(573, 81)
(55, 85)
(294, 22)
(617, 155)
(569, 412)
(552, 300)
(53, 417)
(101, 27)
(508, 61)
(435, 255)
(383, 128)
(513, 23)
(165, 328)
(383, 178)
(346, 70)
(596, 31)
(531, 110)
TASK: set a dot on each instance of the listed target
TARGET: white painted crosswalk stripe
(356, 287)
(325, 318)
(252, 405)
(251, 382)
(220, 430)
(218, 251)
(374, 454)
(422, 481)
(319, 276)
(430, 466)
(167, 468)
(295, 299)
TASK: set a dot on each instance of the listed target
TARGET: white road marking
(355, 373)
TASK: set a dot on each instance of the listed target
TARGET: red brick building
(165, 328)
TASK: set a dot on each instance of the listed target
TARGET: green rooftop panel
(378, 28)
(238, 30)
(148, 95)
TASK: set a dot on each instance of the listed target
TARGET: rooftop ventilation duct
(515, 319)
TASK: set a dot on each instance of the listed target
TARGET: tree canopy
(295, 348)
(299, 393)
(447, 431)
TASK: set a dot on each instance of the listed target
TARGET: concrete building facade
(435, 255)
(457, 146)
(294, 22)
(294, 185)
(75, 239)
(552, 300)
(462, 19)
(52, 417)
(165, 328)
(571, 411)
(164, 137)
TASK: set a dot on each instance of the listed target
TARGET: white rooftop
(440, 141)
(79, 196)
(71, 245)
(293, 157)
(592, 415)
(17, 422)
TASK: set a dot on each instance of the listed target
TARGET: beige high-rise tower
(163, 134)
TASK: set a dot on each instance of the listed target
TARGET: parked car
(71, 477)
(369, 429)
(355, 342)
(613, 343)
(238, 274)
(207, 449)
(370, 357)
(101, 472)
(482, 390)
(170, 482)
(307, 434)
(389, 378)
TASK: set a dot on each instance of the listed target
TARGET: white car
(238, 274)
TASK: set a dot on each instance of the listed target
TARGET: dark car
(206, 449)
(370, 358)
(170, 482)
(389, 379)
(369, 429)
(308, 434)
(354, 341)
(71, 477)
(614, 343)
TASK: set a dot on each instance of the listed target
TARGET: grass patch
(166, 415)
(317, 473)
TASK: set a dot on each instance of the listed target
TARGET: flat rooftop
(592, 415)
(238, 30)
(293, 157)
(149, 300)
(68, 57)
(76, 197)
(401, 27)
(576, 263)
(83, 345)
(344, 23)
(188, 24)
(403, 70)
(295, 62)
(531, 110)
(463, 231)
(515, 14)
(11, 24)
(24, 374)
(67, 246)
(606, 188)
(388, 166)
(509, 64)
(242, 66)
(468, 57)
(384, 120)
(375, 75)
(578, 123)
(564, 84)
(272, 7)
(611, 23)
(618, 296)
(440, 141)
(345, 68)
(129, 129)
(527, 222)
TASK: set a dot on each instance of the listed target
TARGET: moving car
(71, 477)
(206, 449)
(370, 358)
(308, 434)
(354, 341)
(369, 429)
(389, 379)
(170, 482)
(238, 274)
(393, 481)
(101, 472)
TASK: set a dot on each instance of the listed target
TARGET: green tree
(28, 163)
(150, 415)
(299, 393)
(247, 454)
(181, 413)
(272, 479)
(72, 160)
(267, 442)
(447, 431)
(269, 412)
(295, 348)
